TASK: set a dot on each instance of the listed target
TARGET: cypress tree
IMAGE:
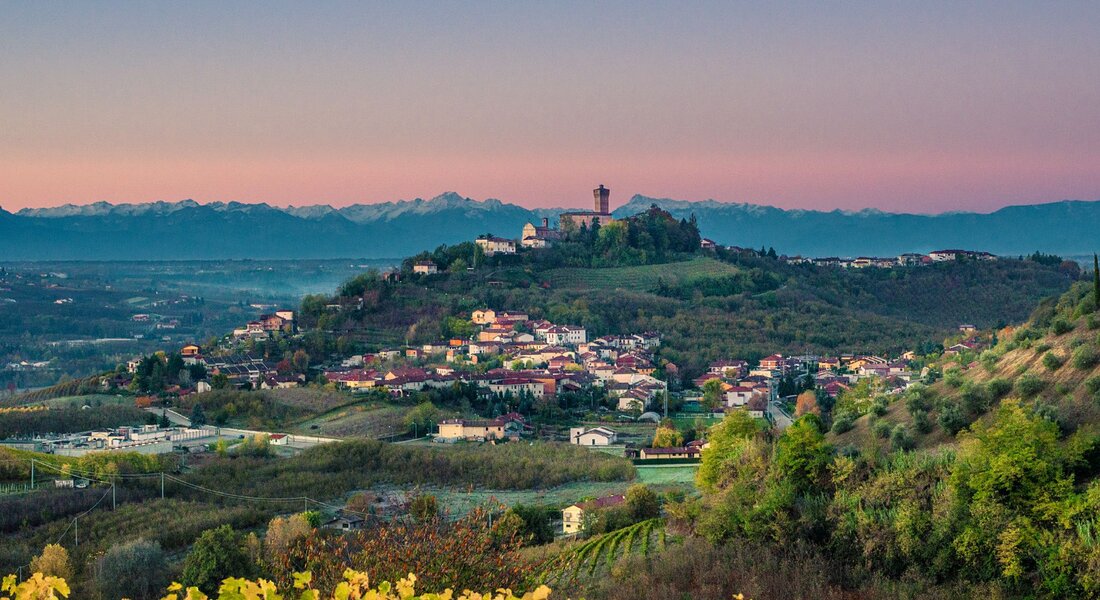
(1096, 280)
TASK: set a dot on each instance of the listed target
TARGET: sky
(902, 106)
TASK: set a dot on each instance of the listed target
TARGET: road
(781, 419)
(300, 442)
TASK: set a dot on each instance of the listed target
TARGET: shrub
(921, 421)
(1060, 326)
(1085, 357)
(999, 388)
(900, 438)
(975, 399)
(1092, 384)
(842, 423)
(134, 570)
(1052, 361)
(952, 419)
(881, 429)
(879, 406)
(1091, 322)
(1029, 385)
(1041, 348)
(217, 554)
(953, 378)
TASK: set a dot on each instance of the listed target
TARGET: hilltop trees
(217, 554)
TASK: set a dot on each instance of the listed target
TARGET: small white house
(596, 436)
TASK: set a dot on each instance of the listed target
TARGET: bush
(842, 423)
(1028, 386)
(879, 406)
(1060, 326)
(1092, 322)
(881, 429)
(952, 419)
(217, 554)
(975, 399)
(1041, 348)
(1085, 357)
(1092, 384)
(999, 388)
(900, 438)
(1052, 361)
(135, 570)
(922, 422)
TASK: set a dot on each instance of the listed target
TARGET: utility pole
(32, 473)
(162, 485)
(76, 523)
(112, 495)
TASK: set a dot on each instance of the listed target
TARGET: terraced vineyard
(642, 278)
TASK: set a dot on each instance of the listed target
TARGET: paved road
(781, 419)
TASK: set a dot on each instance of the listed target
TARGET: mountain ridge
(187, 229)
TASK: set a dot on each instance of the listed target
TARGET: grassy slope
(643, 278)
(1064, 392)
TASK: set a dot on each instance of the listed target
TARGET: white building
(596, 436)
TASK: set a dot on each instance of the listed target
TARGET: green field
(641, 278)
(660, 478)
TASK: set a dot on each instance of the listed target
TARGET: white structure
(566, 335)
(495, 245)
(597, 436)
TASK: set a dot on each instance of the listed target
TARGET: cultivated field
(643, 278)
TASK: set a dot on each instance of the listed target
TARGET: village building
(573, 517)
(534, 236)
(595, 436)
(425, 267)
(491, 245)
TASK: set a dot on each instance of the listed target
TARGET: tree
(220, 381)
(712, 394)
(54, 561)
(667, 437)
(282, 532)
(642, 503)
(135, 570)
(1096, 281)
(802, 454)
(198, 417)
(725, 443)
(806, 404)
(300, 360)
(422, 416)
(217, 554)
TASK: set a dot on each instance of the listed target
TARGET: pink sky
(927, 108)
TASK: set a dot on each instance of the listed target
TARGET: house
(573, 516)
(566, 335)
(484, 316)
(518, 386)
(190, 350)
(509, 425)
(775, 362)
(967, 328)
(462, 429)
(706, 244)
(728, 368)
(757, 406)
(739, 395)
(596, 436)
(491, 245)
(681, 452)
(345, 522)
(425, 267)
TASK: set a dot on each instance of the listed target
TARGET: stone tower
(602, 196)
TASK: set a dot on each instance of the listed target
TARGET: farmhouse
(494, 245)
(425, 267)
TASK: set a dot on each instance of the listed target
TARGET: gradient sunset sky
(902, 106)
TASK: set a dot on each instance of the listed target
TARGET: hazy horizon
(925, 107)
(583, 204)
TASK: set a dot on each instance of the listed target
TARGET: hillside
(706, 307)
(188, 230)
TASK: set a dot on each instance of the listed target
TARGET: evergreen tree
(1096, 281)
(198, 417)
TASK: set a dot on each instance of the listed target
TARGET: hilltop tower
(602, 197)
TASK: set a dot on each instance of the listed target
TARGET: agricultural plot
(643, 278)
